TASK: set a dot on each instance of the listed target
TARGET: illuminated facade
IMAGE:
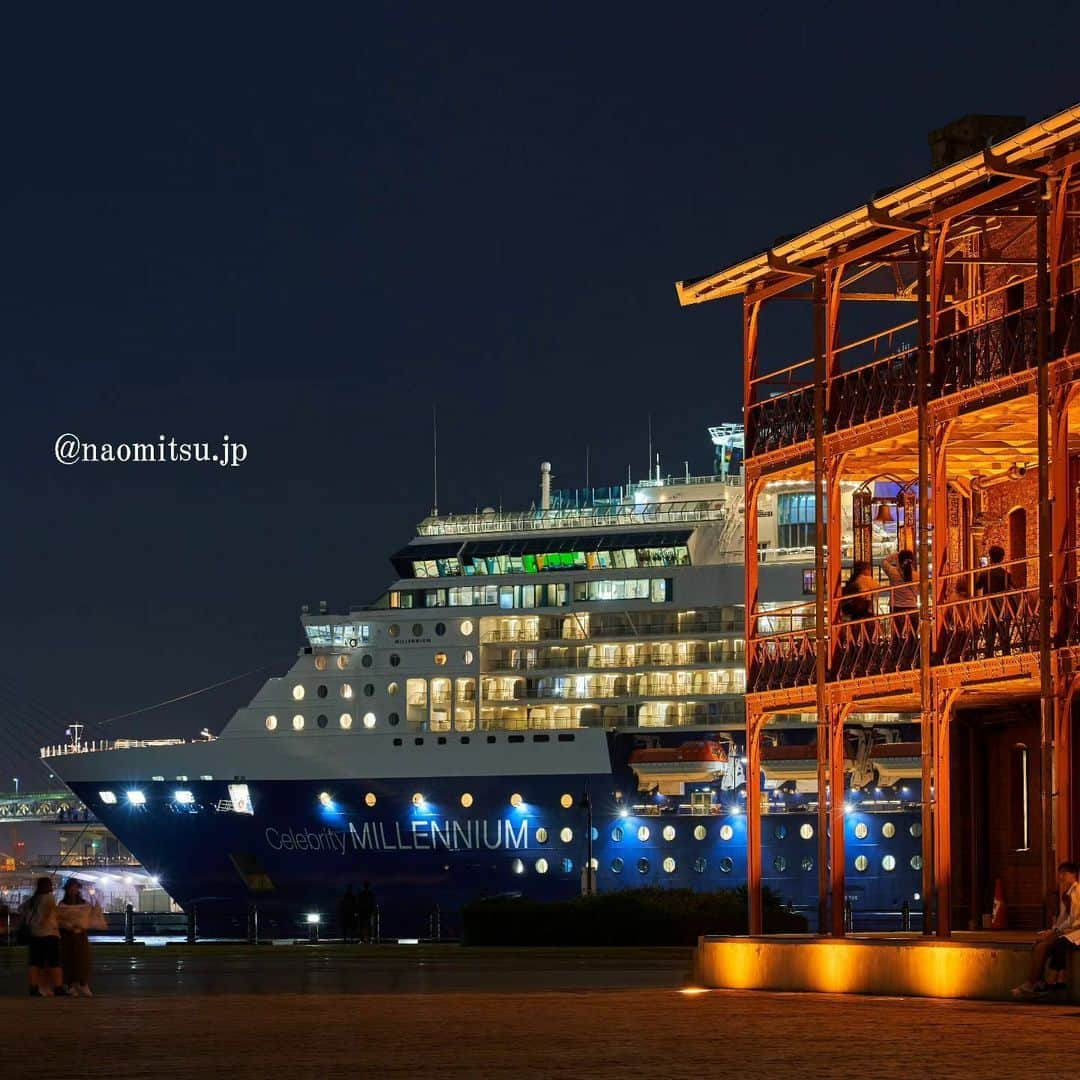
(953, 427)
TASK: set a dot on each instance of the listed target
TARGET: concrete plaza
(449, 1012)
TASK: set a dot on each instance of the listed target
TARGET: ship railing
(726, 714)
(651, 513)
(627, 630)
(102, 862)
(536, 693)
(93, 746)
(629, 665)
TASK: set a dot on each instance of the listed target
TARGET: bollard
(192, 927)
(129, 924)
(253, 925)
(905, 916)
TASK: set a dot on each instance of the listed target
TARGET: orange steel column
(944, 701)
(753, 821)
(837, 715)
(821, 585)
(1046, 673)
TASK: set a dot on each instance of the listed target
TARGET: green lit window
(528, 563)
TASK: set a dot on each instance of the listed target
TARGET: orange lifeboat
(671, 767)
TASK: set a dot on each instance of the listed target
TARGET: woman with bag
(76, 918)
(39, 912)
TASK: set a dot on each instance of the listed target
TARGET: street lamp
(589, 878)
(16, 779)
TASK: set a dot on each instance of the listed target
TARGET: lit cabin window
(345, 720)
(466, 627)
(271, 723)
(467, 656)
(669, 865)
(541, 866)
(369, 799)
(440, 659)
(418, 799)
(342, 662)
(518, 866)
(700, 832)
(393, 689)
(643, 833)
(566, 835)
(298, 692)
(669, 832)
(806, 831)
(320, 663)
(541, 835)
(516, 800)
(466, 800)
(346, 690)
(567, 801)
(107, 797)
(298, 722)
(888, 830)
(888, 863)
(726, 832)
(861, 831)
(369, 719)
(861, 863)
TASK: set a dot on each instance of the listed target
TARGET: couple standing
(58, 941)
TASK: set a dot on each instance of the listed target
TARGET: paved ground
(456, 1013)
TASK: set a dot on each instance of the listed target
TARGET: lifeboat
(797, 765)
(894, 762)
(669, 768)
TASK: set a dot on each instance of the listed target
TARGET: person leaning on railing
(857, 592)
(994, 582)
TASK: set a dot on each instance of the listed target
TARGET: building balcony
(969, 358)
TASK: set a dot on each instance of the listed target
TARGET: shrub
(627, 917)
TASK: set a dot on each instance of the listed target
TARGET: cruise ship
(544, 703)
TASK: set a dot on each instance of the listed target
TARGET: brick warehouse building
(935, 387)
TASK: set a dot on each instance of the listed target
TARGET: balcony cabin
(915, 365)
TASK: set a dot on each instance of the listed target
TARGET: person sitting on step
(1055, 944)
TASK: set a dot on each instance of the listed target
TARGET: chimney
(545, 485)
(970, 135)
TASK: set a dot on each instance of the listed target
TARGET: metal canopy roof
(891, 214)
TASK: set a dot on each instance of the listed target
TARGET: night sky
(302, 229)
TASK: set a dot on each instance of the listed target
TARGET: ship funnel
(545, 485)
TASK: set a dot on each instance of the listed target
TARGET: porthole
(541, 835)
(517, 866)
(594, 864)
(568, 866)
(418, 799)
(321, 691)
(726, 865)
(466, 800)
(367, 660)
(516, 800)
(271, 723)
(322, 720)
(861, 863)
(726, 832)
(916, 862)
(342, 663)
(393, 719)
(369, 689)
(700, 832)
(643, 866)
(417, 629)
(369, 799)
(888, 830)
(566, 801)
(440, 628)
(807, 863)
(806, 831)
(888, 862)
(616, 835)
(298, 722)
(915, 829)
(393, 689)
(467, 657)
(440, 659)
(466, 627)
(346, 690)
(862, 831)
(541, 866)
(369, 720)
(320, 663)
(566, 835)
(616, 866)
(345, 720)
(394, 659)
(669, 832)
(780, 832)
(393, 630)
(779, 864)
(643, 833)
(669, 865)
(594, 832)
(298, 692)
(700, 864)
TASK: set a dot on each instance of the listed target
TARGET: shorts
(1059, 954)
(44, 952)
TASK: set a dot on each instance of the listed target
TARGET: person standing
(46, 976)
(365, 912)
(76, 917)
(900, 569)
(993, 582)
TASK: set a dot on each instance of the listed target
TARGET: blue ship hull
(294, 856)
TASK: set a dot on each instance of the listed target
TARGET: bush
(627, 917)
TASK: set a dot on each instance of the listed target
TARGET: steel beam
(753, 821)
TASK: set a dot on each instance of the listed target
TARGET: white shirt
(1068, 921)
